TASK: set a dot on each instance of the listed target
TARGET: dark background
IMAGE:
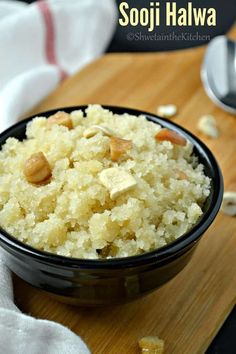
(226, 16)
(225, 341)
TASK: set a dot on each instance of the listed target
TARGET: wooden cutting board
(189, 310)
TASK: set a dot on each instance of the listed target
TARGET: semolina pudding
(99, 185)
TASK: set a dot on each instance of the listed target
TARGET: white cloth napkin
(20, 334)
(41, 44)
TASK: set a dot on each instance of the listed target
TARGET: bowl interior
(211, 206)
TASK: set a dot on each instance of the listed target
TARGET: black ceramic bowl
(98, 282)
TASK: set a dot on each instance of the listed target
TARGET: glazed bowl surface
(112, 281)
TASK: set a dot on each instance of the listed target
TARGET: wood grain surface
(188, 311)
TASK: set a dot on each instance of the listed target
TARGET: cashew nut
(37, 168)
(229, 203)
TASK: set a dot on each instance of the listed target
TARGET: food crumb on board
(151, 345)
(167, 111)
(229, 203)
(208, 126)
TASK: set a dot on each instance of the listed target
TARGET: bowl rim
(184, 242)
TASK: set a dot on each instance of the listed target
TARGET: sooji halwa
(99, 186)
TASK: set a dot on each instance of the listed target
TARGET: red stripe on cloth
(50, 36)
